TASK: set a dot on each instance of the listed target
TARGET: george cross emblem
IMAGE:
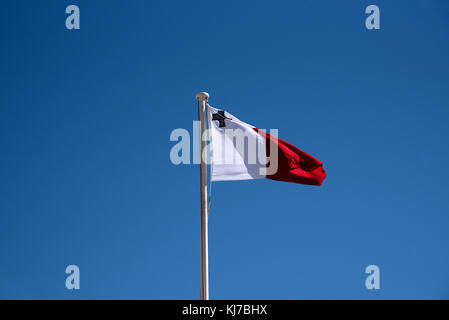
(220, 117)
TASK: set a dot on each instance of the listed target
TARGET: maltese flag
(240, 151)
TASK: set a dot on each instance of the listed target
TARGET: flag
(240, 151)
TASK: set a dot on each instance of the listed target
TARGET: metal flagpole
(202, 98)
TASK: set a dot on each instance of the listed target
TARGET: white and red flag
(240, 151)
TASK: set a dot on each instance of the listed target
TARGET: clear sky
(86, 178)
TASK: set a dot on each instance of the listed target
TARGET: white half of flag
(238, 152)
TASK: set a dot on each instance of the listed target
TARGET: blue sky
(86, 178)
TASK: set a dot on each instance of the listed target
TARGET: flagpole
(202, 98)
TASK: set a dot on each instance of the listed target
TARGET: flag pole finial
(202, 96)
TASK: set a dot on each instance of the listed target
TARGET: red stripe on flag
(294, 165)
